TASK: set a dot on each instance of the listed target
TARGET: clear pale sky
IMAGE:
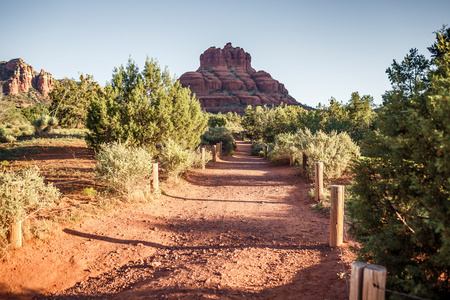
(318, 49)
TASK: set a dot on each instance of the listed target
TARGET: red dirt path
(242, 228)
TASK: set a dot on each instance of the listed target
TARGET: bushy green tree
(264, 123)
(220, 134)
(400, 209)
(216, 120)
(144, 109)
(70, 100)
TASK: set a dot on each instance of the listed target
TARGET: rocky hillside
(226, 81)
(18, 78)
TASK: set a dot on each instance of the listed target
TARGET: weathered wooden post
(337, 215)
(214, 150)
(155, 178)
(218, 150)
(304, 163)
(356, 284)
(16, 234)
(374, 282)
(266, 152)
(319, 181)
(221, 148)
(368, 282)
(291, 159)
(203, 157)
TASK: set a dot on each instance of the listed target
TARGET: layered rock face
(226, 81)
(16, 77)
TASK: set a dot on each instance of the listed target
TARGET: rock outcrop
(16, 77)
(226, 81)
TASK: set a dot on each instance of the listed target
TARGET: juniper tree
(400, 209)
(70, 99)
(144, 109)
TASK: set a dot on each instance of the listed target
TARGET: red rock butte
(226, 81)
(16, 77)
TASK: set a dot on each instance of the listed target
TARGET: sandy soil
(240, 229)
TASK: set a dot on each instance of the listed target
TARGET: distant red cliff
(16, 77)
(226, 81)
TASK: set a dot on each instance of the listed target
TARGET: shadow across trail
(241, 228)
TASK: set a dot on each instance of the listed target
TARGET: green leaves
(400, 206)
(144, 109)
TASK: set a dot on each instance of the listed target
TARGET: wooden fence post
(155, 178)
(218, 150)
(221, 148)
(368, 282)
(319, 181)
(16, 234)
(267, 151)
(356, 284)
(291, 159)
(337, 215)
(304, 163)
(214, 150)
(203, 157)
(374, 282)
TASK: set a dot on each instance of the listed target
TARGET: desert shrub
(22, 193)
(283, 149)
(258, 148)
(44, 124)
(336, 151)
(123, 168)
(196, 158)
(174, 158)
(220, 134)
(34, 112)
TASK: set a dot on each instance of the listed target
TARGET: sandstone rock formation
(226, 81)
(16, 77)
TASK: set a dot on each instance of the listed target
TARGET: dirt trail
(242, 228)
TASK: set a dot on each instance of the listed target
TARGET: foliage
(144, 109)
(9, 114)
(12, 123)
(400, 208)
(22, 193)
(356, 118)
(264, 123)
(70, 100)
(284, 149)
(175, 159)
(216, 120)
(32, 113)
(335, 150)
(123, 168)
(220, 134)
(44, 124)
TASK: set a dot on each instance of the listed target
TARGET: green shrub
(22, 193)
(336, 151)
(196, 158)
(220, 134)
(123, 168)
(89, 192)
(283, 150)
(44, 124)
(174, 158)
(281, 154)
(9, 138)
